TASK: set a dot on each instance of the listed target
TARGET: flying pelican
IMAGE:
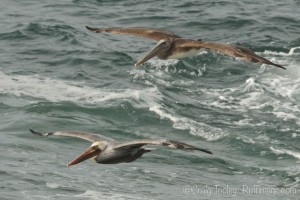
(171, 46)
(105, 150)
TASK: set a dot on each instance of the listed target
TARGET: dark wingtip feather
(280, 66)
(92, 29)
(35, 133)
(181, 145)
(38, 133)
(265, 61)
(205, 150)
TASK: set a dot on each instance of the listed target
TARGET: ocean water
(56, 75)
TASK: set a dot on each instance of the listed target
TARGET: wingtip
(32, 131)
(87, 27)
(37, 133)
(209, 152)
(92, 29)
(279, 66)
(276, 65)
(206, 151)
(282, 67)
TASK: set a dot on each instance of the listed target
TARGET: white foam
(249, 95)
(92, 194)
(285, 151)
(282, 86)
(285, 116)
(246, 139)
(53, 185)
(256, 97)
(278, 94)
(251, 85)
(242, 122)
(58, 90)
(195, 128)
(251, 101)
(158, 63)
(290, 53)
(158, 77)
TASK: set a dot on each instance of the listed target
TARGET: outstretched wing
(154, 34)
(82, 135)
(228, 49)
(169, 143)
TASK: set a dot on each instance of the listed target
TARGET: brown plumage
(173, 46)
(154, 34)
(105, 150)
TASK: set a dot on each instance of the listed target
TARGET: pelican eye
(164, 43)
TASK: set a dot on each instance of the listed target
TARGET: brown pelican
(173, 46)
(105, 150)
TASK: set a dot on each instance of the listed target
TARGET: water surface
(56, 75)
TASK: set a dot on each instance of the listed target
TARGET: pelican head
(93, 151)
(161, 47)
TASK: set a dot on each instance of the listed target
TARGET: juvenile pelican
(173, 46)
(105, 150)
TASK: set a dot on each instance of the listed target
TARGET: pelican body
(171, 46)
(105, 150)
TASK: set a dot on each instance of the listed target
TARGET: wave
(195, 128)
(290, 53)
(92, 194)
(269, 92)
(54, 90)
(278, 151)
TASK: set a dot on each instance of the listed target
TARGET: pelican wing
(82, 135)
(150, 33)
(169, 143)
(228, 49)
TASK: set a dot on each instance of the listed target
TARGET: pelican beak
(150, 54)
(89, 153)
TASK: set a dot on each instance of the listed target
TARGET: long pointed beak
(89, 153)
(149, 55)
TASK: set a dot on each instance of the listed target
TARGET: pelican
(171, 46)
(105, 150)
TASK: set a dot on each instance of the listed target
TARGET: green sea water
(56, 75)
